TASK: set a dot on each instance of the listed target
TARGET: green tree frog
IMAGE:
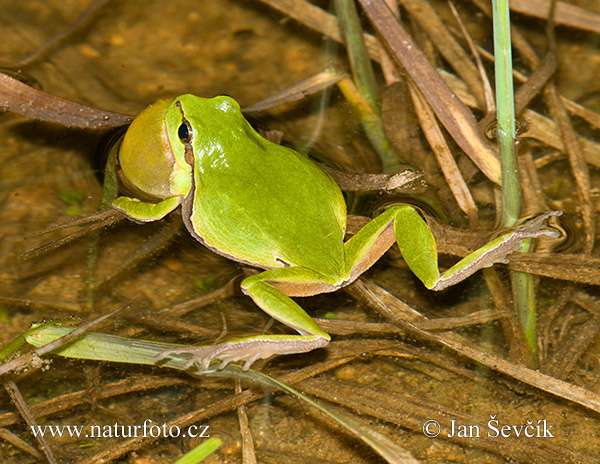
(271, 207)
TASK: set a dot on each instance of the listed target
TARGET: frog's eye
(185, 132)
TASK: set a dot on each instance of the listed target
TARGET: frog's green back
(259, 202)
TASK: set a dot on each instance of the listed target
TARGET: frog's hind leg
(405, 225)
(495, 251)
(371, 242)
(279, 306)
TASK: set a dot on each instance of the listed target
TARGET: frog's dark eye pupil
(184, 133)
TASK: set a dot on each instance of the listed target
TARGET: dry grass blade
(341, 327)
(488, 93)
(36, 104)
(248, 453)
(86, 225)
(573, 147)
(228, 290)
(297, 91)
(547, 132)
(591, 117)
(18, 443)
(409, 412)
(228, 404)
(438, 144)
(385, 304)
(454, 115)
(449, 323)
(11, 387)
(566, 13)
(444, 41)
(566, 356)
(63, 403)
(155, 244)
(542, 73)
(388, 68)
(400, 182)
(578, 164)
(315, 18)
(540, 127)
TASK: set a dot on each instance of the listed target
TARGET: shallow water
(129, 55)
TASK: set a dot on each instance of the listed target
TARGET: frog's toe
(202, 361)
(537, 226)
(203, 356)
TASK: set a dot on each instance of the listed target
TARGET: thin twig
(11, 387)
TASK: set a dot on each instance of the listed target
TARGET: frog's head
(160, 146)
(198, 126)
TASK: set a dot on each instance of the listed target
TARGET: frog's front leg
(279, 306)
(415, 240)
(143, 211)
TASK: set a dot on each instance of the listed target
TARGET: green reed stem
(522, 284)
(511, 189)
(363, 77)
(360, 61)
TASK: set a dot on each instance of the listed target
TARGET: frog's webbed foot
(532, 229)
(536, 228)
(247, 350)
(202, 356)
(497, 250)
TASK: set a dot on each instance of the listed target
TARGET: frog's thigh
(264, 289)
(400, 224)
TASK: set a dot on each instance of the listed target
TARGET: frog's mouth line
(187, 144)
(283, 263)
